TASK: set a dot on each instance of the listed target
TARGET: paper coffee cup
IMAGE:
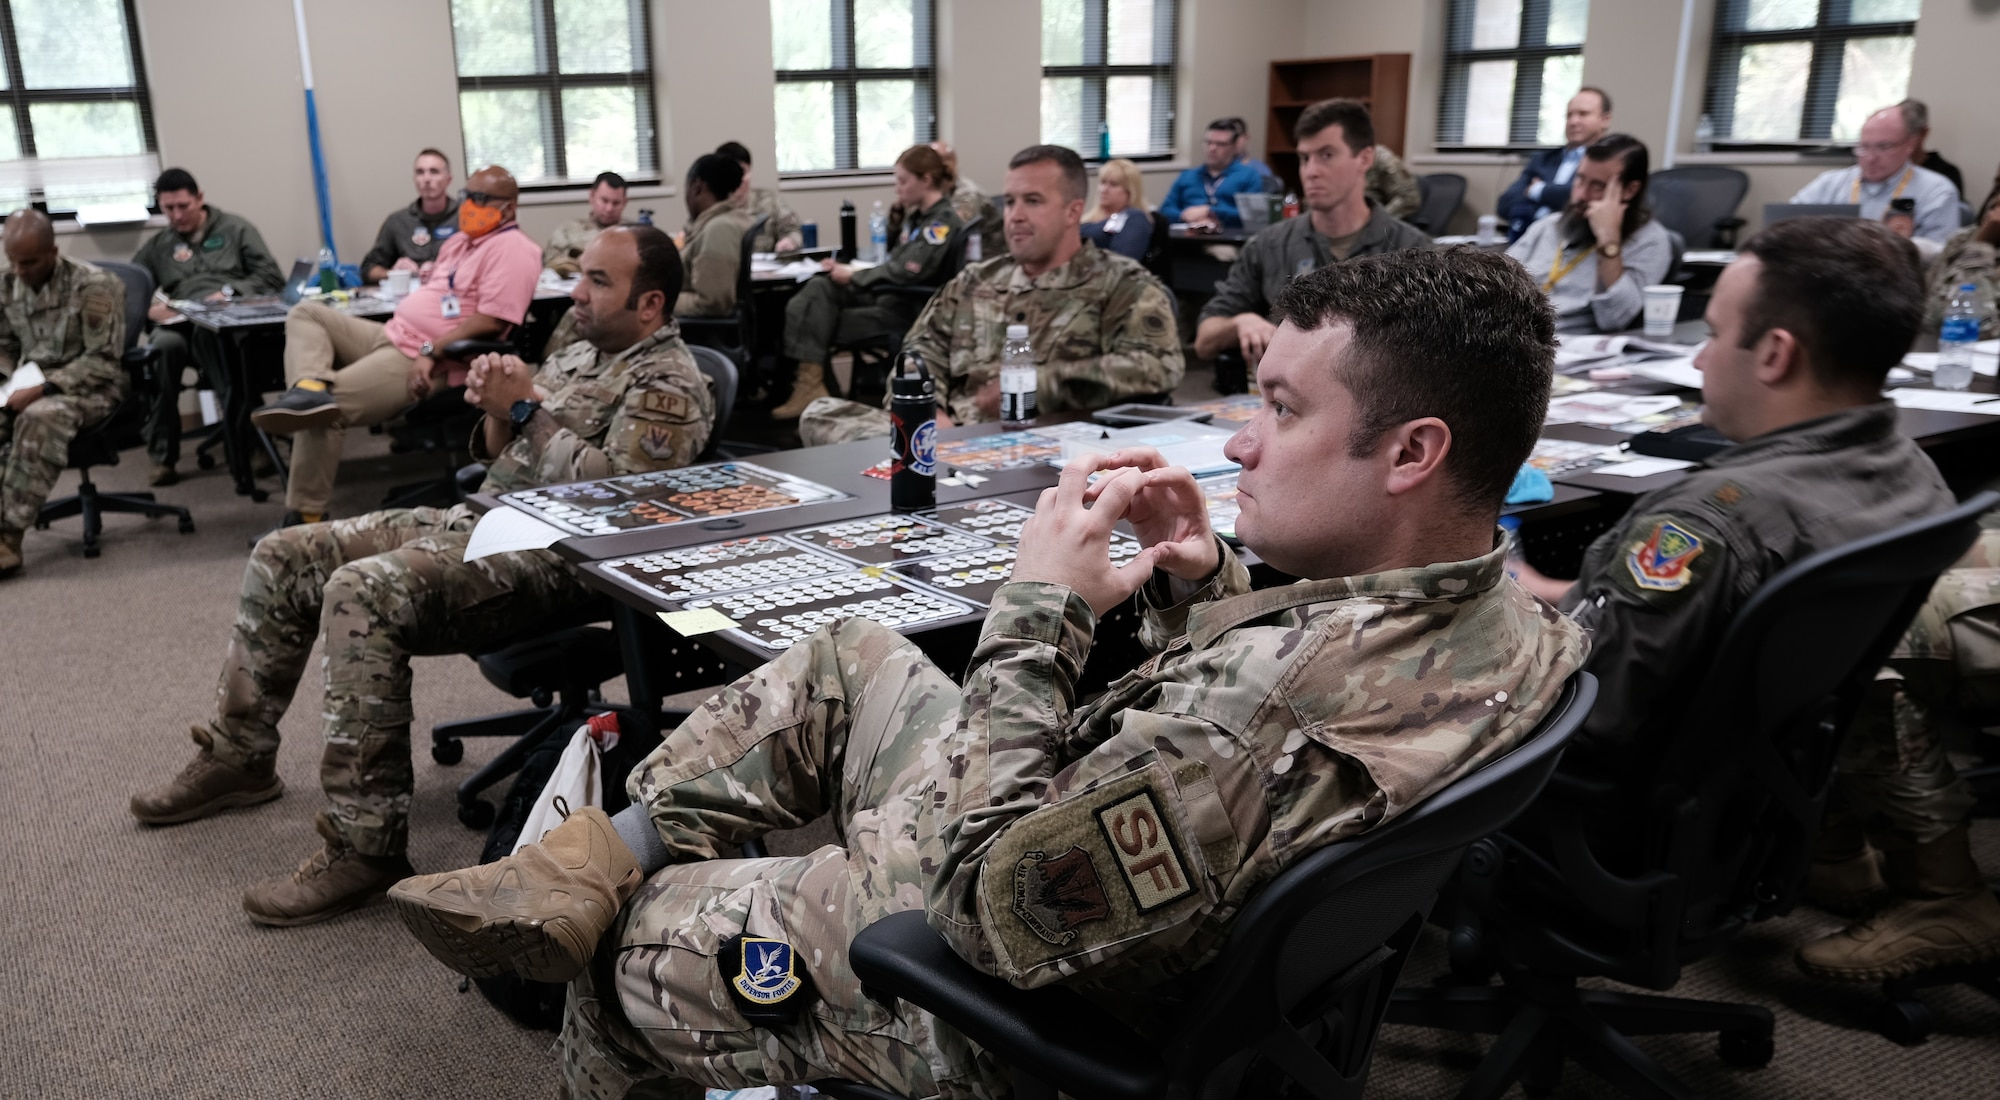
(1663, 308)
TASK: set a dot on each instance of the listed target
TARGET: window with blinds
(78, 128)
(1108, 77)
(1510, 70)
(856, 84)
(556, 91)
(1806, 72)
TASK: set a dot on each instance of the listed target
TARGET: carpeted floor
(130, 971)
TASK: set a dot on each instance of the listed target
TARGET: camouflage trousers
(837, 420)
(846, 724)
(40, 435)
(374, 590)
(1893, 777)
(824, 313)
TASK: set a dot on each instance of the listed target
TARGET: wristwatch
(426, 350)
(522, 411)
(1609, 250)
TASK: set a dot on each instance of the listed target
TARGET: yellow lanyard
(1854, 192)
(1563, 267)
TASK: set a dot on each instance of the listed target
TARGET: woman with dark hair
(843, 305)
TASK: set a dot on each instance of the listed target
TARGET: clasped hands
(1068, 540)
(495, 382)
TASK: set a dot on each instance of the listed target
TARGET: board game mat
(664, 497)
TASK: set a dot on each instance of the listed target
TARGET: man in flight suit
(379, 588)
(1105, 846)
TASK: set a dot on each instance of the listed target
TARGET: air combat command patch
(1053, 895)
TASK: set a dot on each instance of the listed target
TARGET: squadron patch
(765, 974)
(936, 232)
(1662, 562)
(658, 443)
(182, 253)
(420, 236)
(213, 244)
(1052, 895)
(1145, 851)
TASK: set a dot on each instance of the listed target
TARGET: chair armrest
(1052, 1033)
(470, 476)
(468, 350)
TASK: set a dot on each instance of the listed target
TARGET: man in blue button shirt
(1544, 184)
(1207, 194)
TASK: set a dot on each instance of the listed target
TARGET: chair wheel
(448, 752)
(205, 461)
(476, 815)
(1745, 1051)
(1906, 1022)
(187, 527)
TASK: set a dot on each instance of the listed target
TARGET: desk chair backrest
(122, 427)
(1634, 877)
(1698, 202)
(1440, 196)
(722, 382)
(746, 299)
(138, 297)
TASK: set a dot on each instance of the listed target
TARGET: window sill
(1728, 157)
(836, 181)
(1448, 157)
(66, 227)
(559, 195)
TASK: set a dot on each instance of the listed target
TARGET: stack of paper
(1607, 409)
(1965, 401)
(1985, 359)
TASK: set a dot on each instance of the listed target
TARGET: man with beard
(1594, 257)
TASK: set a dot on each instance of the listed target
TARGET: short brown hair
(1851, 292)
(427, 151)
(1076, 181)
(922, 160)
(1357, 127)
(1461, 334)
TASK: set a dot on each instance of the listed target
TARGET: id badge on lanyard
(448, 305)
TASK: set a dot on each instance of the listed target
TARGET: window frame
(1166, 78)
(846, 78)
(1525, 112)
(554, 81)
(19, 98)
(1816, 114)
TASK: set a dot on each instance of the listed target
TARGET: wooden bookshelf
(1380, 81)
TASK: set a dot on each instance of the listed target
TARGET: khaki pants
(370, 380)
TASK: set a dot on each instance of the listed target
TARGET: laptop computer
(1775, 212)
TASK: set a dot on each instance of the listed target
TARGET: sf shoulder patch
(1145, 851)
(1055, 894)
(1663, 560)
(936, 232)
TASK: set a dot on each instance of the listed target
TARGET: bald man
(346, 372)
(66, 319)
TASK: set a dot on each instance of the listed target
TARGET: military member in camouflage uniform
(607, 208)
(1105, 846)
(1336, 141)
(849, 305)
(1392, 187)
(68, 318)
(781, 224)
(1101, 326)
(1896, 848)
(378, 588)
(203, 253)
(1969, 257)
(713, 254)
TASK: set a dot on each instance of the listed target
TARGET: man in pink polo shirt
(347, 372)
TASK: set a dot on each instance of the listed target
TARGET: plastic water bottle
(1704, 134)
(878, 233)
(645, 216)
(1955, 339)
(1019, 379)
(1103, 141)
(329, 275)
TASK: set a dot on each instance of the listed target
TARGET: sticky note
(706, 620)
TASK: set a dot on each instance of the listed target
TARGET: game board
(978, 574)
(664, 497)
(774, 617)
(1236, 409)
(723, 567)
(884, 540)
(1556, 457)
(1006, 451)
(998, 520)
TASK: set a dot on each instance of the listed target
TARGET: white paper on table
(26, 376)
(505, 530)
(1642, 467)
(1965, 401)
(1983, 361)
(1575, 347)
(1674, 372)
(1607, 408)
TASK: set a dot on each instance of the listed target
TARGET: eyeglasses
(481, 198)
(1880, 146)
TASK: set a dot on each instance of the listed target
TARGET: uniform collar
(209, 216)
(1442, 581)
(599, 362)
(726, 206)
(53, 291)
(1076, 271)
(935, 209)
(1858, 426)
(1374, 229)
(416, 209)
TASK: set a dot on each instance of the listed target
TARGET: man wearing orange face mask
(346, 372)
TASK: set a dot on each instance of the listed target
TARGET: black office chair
(1158, 260)
(1634, 873)
(1699, 203)
(874, 354)
(1296, 993)
(1440, 193)
(722, 385)
(99, 444)
(733, 333)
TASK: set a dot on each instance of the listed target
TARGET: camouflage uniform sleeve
(1392, 186)
(1965, 259)
(1038, 870)
(663, 423)
(10, 342)
(98, 366)
(260, 271)
(785, 222)
(931, 337)
(1163, 618)
(1138, 351)
(711, 261)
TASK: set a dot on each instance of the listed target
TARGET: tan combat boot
(538, 913)
(1845, 878)
(1941, 914)
(330, 882)
(808, 385)
(10, 552)
(207, 786)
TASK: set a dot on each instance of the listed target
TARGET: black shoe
(305, 406)
(292, 519)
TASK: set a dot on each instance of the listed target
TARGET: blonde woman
(1120, 222)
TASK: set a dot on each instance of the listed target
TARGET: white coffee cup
(1663, 308)
(1489, 228)
(397, 284)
